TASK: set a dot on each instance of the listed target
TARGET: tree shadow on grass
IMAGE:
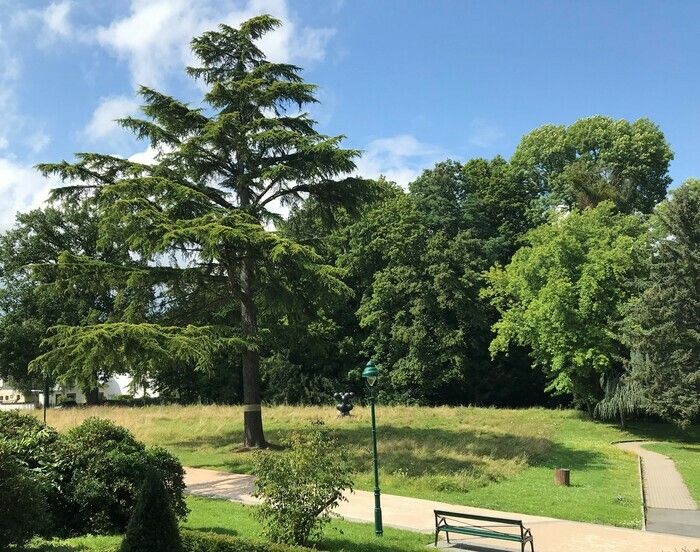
(657, 431)
(431, 451)
(345, 545)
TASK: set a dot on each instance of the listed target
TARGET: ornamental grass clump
(302, 485)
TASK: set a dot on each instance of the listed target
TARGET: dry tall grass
(495, 458)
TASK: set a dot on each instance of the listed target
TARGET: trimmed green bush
(91, 476)
(22, 512)
(198, 541)
(152, 526)
(107, 470)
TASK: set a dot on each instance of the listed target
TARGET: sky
(408, 82)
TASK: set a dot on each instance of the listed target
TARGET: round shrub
(107, 468)
(21, 502)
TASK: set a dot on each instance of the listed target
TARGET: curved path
(669, 508)
(551, 535)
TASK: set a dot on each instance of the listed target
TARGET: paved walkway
(551, 535)
(669, 506)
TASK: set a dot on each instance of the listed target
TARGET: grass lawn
(686, 456)
(223, 517)
(491, 458)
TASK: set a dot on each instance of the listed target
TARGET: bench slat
(475, 531)
(444, 513)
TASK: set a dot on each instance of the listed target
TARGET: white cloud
(154, 37)
(21, 188)
(16, 128)
(154, 40)
(399, 158)
(38, 140)
(55, 18)
(484, 134)
(9, 72)
(148, 156)
(54, 21)
(103, 124)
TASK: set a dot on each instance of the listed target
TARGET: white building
(15, 399)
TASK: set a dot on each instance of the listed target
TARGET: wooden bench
(463, 524)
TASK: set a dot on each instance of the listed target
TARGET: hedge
(198, 541)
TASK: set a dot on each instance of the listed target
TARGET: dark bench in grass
(481, 526)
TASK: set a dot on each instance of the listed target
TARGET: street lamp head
(370, 373)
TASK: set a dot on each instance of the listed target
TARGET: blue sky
(410, 82)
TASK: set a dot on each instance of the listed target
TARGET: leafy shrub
(197, 541)
(36, 448)
(107, 469)
(21, 502)
(29, 441)
(91, 476)
(152, 526)
(301, 486)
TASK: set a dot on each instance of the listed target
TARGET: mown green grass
(492, 458)
(228, 518)
(686, 457)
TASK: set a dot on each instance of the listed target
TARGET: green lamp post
(370, 374)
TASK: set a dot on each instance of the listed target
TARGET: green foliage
(38, 449)
(597, 159)
(198, 541)
(152, 525)
(108, 466)
(563, 295)
(35, 295)
(663, 326)
(207, 198)
(22, 504)
(418, 261)
(301, 486)
(135, 348)
(33, 445)
(622, 398)
(90, 476)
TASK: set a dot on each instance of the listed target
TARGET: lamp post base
(378, 530)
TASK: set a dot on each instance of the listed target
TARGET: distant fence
(18, 406)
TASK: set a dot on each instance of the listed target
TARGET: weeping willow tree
(623, 398)
(210, 198)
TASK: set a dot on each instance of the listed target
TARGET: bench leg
(436, 537)
(532, 545)
(448, 537)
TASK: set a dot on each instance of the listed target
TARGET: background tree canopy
(491, 282)
(563, 295)
(597, 159)
(663, 325)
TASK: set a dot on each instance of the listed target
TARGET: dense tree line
(564, 274)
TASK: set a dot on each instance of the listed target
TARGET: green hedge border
(200, 541)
